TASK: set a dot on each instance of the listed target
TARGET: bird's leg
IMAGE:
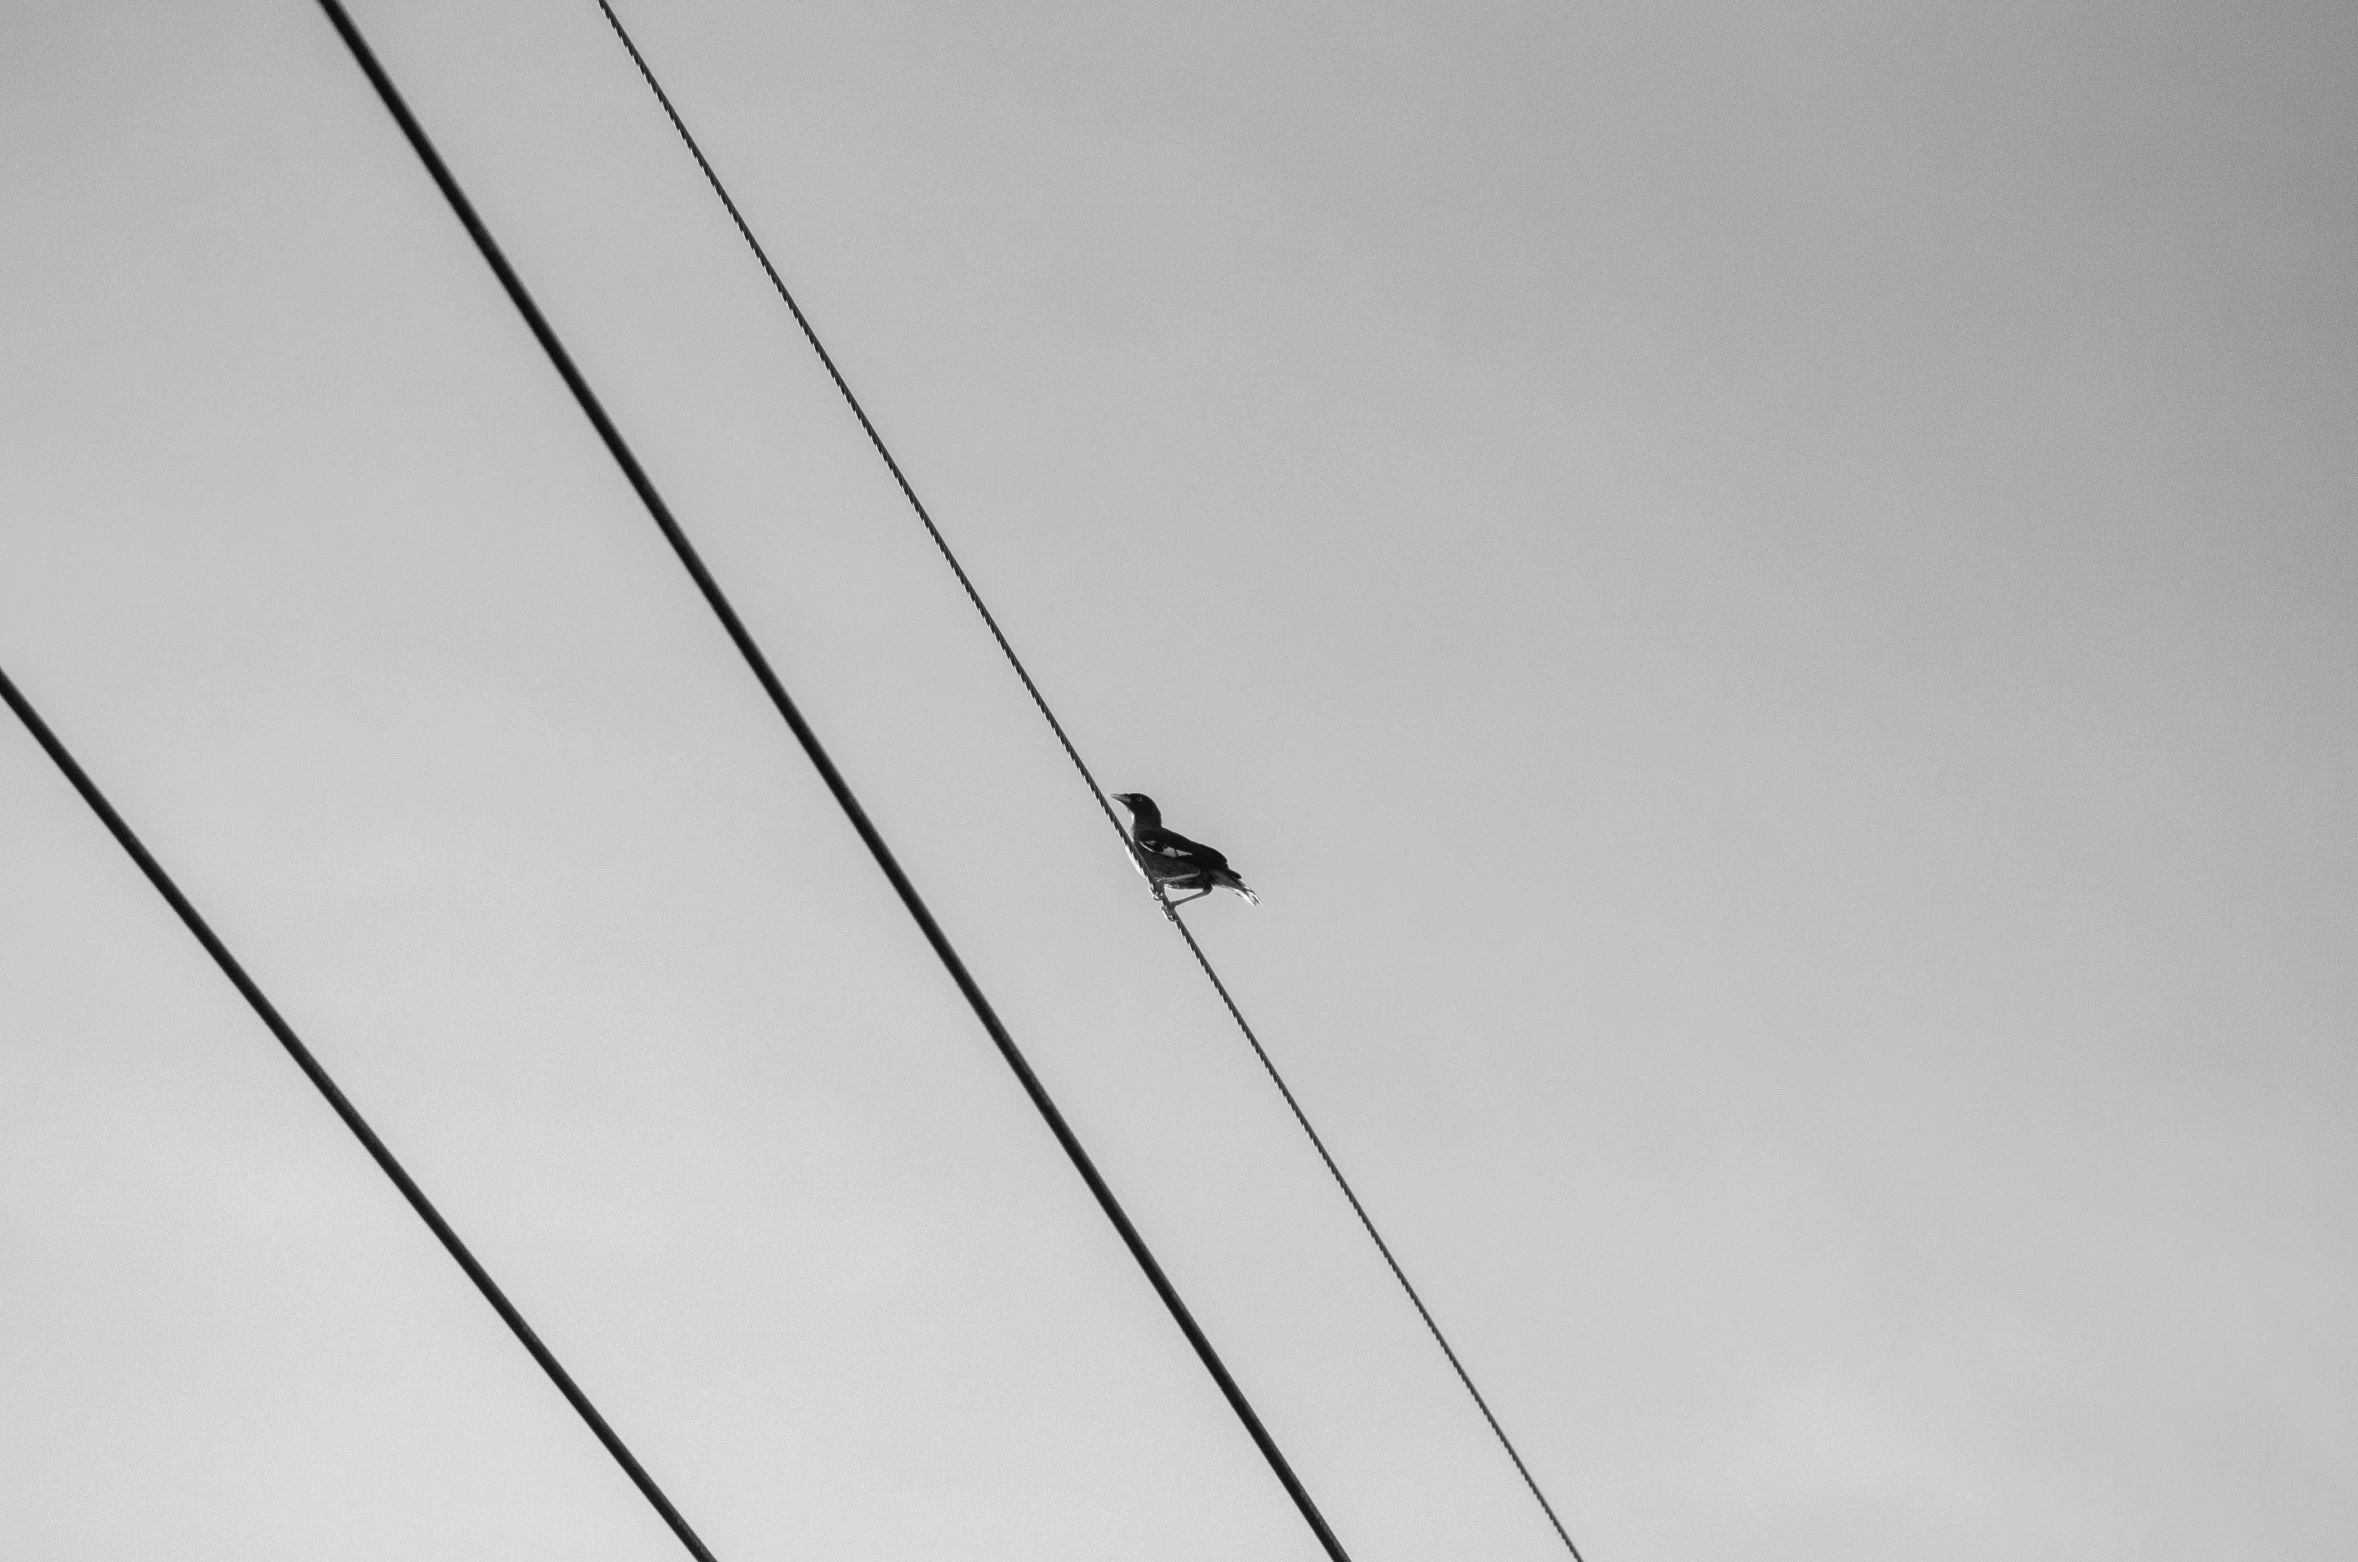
(1198, 895)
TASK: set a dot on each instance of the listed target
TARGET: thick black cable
(754, 659)
(811, 335)
(263, 1007)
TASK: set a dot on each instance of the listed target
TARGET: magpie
(1172, 861)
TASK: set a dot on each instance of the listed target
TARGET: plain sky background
(1765, 591)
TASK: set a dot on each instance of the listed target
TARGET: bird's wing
(1208, 856)
(1162, 842)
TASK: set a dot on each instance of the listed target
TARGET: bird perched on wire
(1172, 861)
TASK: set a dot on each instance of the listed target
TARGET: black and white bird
(1172, 861)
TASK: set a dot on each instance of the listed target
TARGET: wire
(1373, 1235)
(827, 360)
(263, 1007)
(1015, 662)
(759, 664)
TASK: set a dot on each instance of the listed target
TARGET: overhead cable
(762, 671)
(252, 992)
(827, 361)
(1072, 752)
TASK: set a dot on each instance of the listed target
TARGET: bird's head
(1136, 802)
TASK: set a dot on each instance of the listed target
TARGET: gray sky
(1765, 591)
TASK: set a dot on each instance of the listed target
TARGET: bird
(1172, 861)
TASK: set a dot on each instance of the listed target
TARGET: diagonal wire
(827, 359)
(758, 663)
(1373, 1235)
(1097, 792)
(270, 1017)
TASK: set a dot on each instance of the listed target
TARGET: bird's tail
(1231, 881)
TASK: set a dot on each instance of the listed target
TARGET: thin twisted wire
(1368, 1225)
(1015, 662)
(852, 401)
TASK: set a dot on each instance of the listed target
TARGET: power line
(263, 1007)
(827, 360)
(1373, 1235)
(759, 664)
(1073, 753)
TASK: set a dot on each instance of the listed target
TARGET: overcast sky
(1764, 590)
